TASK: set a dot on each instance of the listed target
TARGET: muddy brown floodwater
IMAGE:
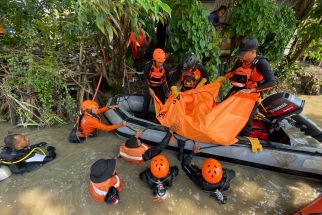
(61, 187)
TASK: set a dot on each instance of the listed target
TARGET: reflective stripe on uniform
(98, 191)
(118, 182)
(130, 157)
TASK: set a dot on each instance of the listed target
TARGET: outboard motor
(281, 106)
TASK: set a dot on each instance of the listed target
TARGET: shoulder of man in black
(263, 65)
(148, 65)
(147, 69)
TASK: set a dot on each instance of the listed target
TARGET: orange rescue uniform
(89, 124)
(98, 191)
(133, 155)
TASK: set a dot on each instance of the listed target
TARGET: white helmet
(5, 172)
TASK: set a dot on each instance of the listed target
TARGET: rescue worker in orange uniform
(105, 184)
(211, 177)
(88, 123)
(159, 176)
(156, 79)
(251, 74)
(133, 149)
(190, 73)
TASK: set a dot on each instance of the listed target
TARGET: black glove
(150, 153)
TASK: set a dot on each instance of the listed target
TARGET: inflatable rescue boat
(280, 152)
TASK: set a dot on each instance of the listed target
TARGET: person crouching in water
(133, 149)
(105, 185)
(22, 157)
(211, 178)
(159, 176)
(88, 123)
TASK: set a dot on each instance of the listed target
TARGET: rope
(98, 86)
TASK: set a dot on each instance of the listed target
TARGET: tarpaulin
(195, 115)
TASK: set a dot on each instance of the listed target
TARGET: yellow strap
(260, 103)
(201, 83)
(256, 146)
(25, 157)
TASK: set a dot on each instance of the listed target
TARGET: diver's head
(16, 141)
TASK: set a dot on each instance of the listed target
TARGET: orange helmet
(89, 105)
(211, 171)
(159, 55)
(159, 166)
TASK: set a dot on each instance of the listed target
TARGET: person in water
(133, 149)
(159, 177)
(105, 184)
(210, 178)
(88, 123)
(22, 157)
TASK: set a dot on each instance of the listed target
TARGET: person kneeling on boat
(105, 184)
(190, 73)
(211, 178)
(250, 74)
(22, 157)
(88, 123)
(133, 149)
(159, 176)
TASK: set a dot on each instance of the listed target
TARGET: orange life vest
(190, 78)
(82, 129)
(98, 191)
(133, 155)
(246, 76)
(156, 76)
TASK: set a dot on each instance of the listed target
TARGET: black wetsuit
(268, 82)
(10, 155)
(194, 173)
(159, 185)
(159, 91)
(177, 75)
(155, 150)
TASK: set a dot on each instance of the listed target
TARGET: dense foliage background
(52, 53)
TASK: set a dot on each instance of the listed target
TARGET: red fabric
(135, 42)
